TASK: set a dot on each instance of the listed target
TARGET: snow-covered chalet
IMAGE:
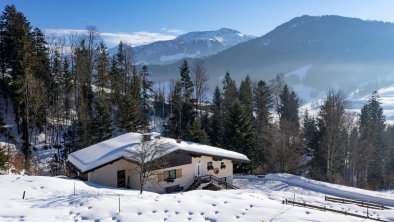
(188, 165)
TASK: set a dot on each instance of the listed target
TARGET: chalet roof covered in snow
(120, 147)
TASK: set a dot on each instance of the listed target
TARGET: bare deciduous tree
(200, 83)
(286, 148)
(277, 84)
(331, 122)
(149, 158)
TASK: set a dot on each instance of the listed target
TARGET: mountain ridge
(196, 44)
(342, 53)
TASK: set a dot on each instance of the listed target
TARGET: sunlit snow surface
(52, 199)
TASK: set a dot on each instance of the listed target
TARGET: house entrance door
(199, 171)
(121, 177)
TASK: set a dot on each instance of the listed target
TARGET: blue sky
(141, 22)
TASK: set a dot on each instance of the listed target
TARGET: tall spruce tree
(309, 134)
(115, 80)
(230, 92)
(84, 103)
(288, 106)
(146, 93)
(215, 131)
(238, 130)
(183, 114)
(196, 133)
(245, 93)
(19, 56)
(262, 103)
(130, 118)
(372, 127)
(188, 113)
(102, 124)
(102, 76)
(389, 167)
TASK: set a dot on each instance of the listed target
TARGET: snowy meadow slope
(259, 199)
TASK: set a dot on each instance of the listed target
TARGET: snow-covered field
(53, 199)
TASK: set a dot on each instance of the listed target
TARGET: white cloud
(134, 39)
(173, 31)
(62, 32)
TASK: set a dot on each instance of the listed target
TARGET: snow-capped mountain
(315, 53)
(189, 45)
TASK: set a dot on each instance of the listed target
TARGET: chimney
(146, 137)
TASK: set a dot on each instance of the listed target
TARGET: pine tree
(238, 130)
(310, 137)
(4, 158)
(245, 93)
(125, 66)
(84, 103)
(263, 103)
(183, 114)
(230, 93)
(159, 104)
(130, 117)
(215, 131)
(3, 129)
(115, 82)
(102, 124)
(20, 46)
(389, 167)
(146, 93)
(288, 107)
(309, 134)
(40, 50)
(188, 113)
(71, 140)
(195, 133)
(102, 76)
(372, 126)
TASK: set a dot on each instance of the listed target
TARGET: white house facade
(108, 163)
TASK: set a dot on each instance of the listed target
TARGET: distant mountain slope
(338, 52)
(190, 45)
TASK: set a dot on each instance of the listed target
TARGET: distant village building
(187, 165)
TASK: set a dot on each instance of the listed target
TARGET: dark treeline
(75, 94)
(68, 90)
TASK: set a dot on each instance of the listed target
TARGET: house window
(209, 166)
(170, 175)
(222, 165)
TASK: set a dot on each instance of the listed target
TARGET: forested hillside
(64, 94)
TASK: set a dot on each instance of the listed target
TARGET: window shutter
(179, 173)
(160, 177)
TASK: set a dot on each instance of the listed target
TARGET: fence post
(74, 188)
(119, 203)
(293, 197)
(367, 209)
(23, 196)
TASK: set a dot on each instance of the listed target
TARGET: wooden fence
(356, 202)
(294, 203)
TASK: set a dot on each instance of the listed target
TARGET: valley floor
(259, 199)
